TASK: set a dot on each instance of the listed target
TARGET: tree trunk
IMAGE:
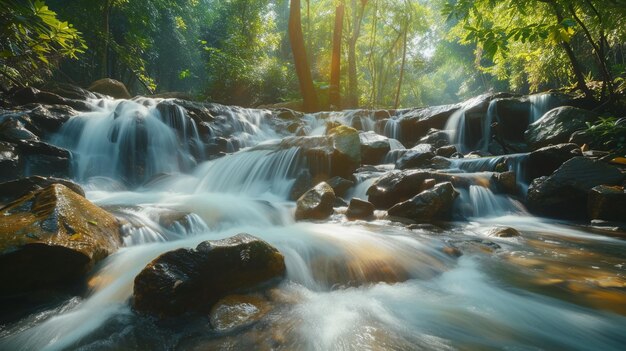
(105, 42)
(334, 98)
(576, 68)
(370, 58)
(404, 44)
(357, 16)
(296, 39)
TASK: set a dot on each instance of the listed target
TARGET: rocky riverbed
(151, 223)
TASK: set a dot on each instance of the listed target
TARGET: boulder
(317, 203)
(10, 166)
(193, 280)
(415, 158)
(564, 194)
(13, 130)
(360, 209)
(110, 87)
(347, 142)
(607, 203)
(11, 190)
(505, 182)
(429, 205)
(436, 137)
(416, 123)
(303, 182)
(446, 151)
(544, 161)
(340, 185)
(374, 148)
(46, 119)
(557, 126)
(50, 237)
(512, 114)
(33, 157)
(503, 232)
(30, 95)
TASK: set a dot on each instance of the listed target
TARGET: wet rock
(360, 209)
(340, 185)
(505, 182)
(177, 221)
(607, 203)
(10, 166)
(416, 123)
(288, 114)
(396, 186)
(564, 194)
(317, 203)
(340, 202)
(544, 161)
(11, 190)
(513, 118)
(46, 119)
(52, 236)
(70, 91)
(193, 280)
(452, 251)
(436, 137)
(557, 126)
(429, 205)
(439, 162)
(503, 232)
(31, 95)
(110, 87)
(347, 142)
(12, 130)
(446, 151)
(304, 182)
(417, 157)
(237, 311)
(374, 148)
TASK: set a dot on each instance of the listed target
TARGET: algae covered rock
(191, 280)
(52, 236)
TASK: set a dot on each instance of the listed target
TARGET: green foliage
(33, 40)
(608, 133)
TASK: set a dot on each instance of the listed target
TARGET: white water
(334, 297)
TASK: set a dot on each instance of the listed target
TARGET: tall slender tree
(296, 39)
(335, 66)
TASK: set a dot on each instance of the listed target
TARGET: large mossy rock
(317, 203)
(12, 190)
(544, 161)
(52, 236)
(564, 194)
(110, 87)
(607, 203)
(557, 126)
(429, 205)
(192, 280)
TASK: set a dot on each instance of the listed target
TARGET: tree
(307, 89)
(335, 67)
(33, 40)
(357, 18)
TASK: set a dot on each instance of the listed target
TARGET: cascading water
(349, 285)
(540, 104)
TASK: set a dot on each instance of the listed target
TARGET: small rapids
(350, 285)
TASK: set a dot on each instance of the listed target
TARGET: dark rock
(436, 137)
(557, 126)
(503, 232)
(564, 193)
(317, 203)
(429, 205)
(31, 95)
(12, 130)
(46, 119)
(505, 182)
(192, 280)
(11, 190)
(340, 185)
(43, 159)
(73, 92)
(340, 202)
(544, 161)
(110, 87)
(439, 162)
(303, 182)
(374, 148)
(416, 123)
(288, 114)
(513, 116)
(52, 236)
(607, 203)
(446, 151)
(10, 165)
(360, 209)
(414, 159)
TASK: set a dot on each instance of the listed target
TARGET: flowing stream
(350, 285)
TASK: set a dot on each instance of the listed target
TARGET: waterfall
(540, 104)
(484, 203)
(456, 128)
(252, 172)
(128, 140)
